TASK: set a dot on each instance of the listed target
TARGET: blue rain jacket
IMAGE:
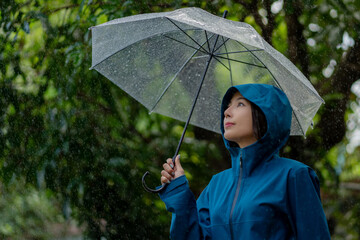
(263, 196)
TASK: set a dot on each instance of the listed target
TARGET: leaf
(50, 92)
(26, 27)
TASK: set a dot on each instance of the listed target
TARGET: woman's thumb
(177, 162)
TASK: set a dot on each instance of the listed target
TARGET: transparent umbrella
(181, 63)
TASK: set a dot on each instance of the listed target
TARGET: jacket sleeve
(307, 216)
(187, 221)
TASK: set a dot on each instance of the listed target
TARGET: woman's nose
(227, 112)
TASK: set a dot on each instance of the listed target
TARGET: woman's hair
(258, 121)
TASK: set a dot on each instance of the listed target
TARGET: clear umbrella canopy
(159, 59)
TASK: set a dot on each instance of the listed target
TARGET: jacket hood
(278, 112)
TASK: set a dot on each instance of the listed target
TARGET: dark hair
(259, 121)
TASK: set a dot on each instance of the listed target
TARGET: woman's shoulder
(221, 176)
(291, 165)
(223, 173)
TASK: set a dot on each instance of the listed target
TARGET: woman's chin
(229, 137)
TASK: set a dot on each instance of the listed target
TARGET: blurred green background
(73, 147)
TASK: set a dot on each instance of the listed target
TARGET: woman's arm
(307, 216)
(190, 220)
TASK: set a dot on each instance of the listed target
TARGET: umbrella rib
(231, 80)
(322, 100)
(222, 63)
(198, 49)
(207, 40)
(221, 44)
(231, 59)
(262, 64)
(186, 34)
(297, 119)
(200, 56)
(255, 50)
(112, 54)
(176, 74)
(217, 38)
(212, 52)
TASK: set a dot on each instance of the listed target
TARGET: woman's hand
(171, 172)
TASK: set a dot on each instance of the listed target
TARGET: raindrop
(351, 125)
(347, 42)
(263, 12)
(277, 6)
(328, 71)
(314, 27)
(311, 42)
(333, 13)
(355, 88)
(265, 21)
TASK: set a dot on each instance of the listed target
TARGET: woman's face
(238, 122)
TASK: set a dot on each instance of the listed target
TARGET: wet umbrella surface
(181, 63)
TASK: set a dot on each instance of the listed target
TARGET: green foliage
(92, 141)
(26, 213)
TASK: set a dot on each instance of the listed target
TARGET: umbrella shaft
(197, 96)
(192, 109)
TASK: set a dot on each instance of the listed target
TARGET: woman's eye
(240, 104)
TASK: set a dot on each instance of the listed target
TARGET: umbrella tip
(225, 13)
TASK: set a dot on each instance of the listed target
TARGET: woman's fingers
(165, 177)
(170, 171)
(164, 180)
(166, 174)
(170, 162)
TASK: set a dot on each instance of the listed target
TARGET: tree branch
(266, 29)
(297, 50)
(50, 11)
(332, 123)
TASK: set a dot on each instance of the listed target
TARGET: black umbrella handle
(163, 186)
(225, 13)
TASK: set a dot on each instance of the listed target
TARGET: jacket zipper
(235, 198)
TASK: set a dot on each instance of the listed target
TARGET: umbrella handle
(164, 185)
(149, 189)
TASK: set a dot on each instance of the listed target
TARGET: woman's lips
(229, 124)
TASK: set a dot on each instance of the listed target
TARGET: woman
(263, 196)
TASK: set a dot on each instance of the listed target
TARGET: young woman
(263, 196)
